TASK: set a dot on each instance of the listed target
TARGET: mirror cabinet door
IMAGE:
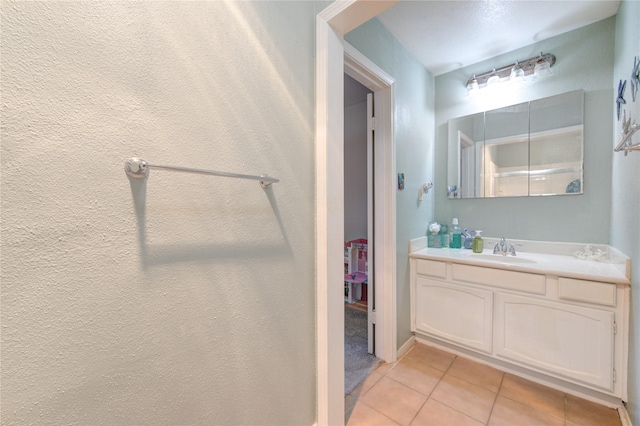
(556, 146)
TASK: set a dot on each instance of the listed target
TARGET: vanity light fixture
(539, 66)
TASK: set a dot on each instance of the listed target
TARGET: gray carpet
(357, 362)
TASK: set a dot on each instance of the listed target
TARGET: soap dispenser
(478, 244)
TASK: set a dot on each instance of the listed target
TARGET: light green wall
(625, 190)
(188, 300)
(581, 218)
(414, 98)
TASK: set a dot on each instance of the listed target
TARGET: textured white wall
(414, 99)
(579, 218)
(188, 299)
(625, 189)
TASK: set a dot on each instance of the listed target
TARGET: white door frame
(331, 24)
(372, 339)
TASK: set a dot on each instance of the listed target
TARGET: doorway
(358, 197)
(359, 280)
(377, 198)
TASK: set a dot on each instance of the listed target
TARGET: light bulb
(517, 74)
(493, 80)
(472, 87)
(542, 68)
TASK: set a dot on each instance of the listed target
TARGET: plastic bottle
(478, 244)
(455, 240)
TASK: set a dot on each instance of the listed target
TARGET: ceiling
(447, 35)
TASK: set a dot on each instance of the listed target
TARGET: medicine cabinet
(533, 148)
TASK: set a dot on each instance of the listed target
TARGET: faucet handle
(512, 249)
(496, 248)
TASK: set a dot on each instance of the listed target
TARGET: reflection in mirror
(464, 157)
(532, 148)
(505, 170)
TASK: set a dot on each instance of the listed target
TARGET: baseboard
(405, 347)
(624, 416)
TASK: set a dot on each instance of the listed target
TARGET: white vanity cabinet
(560, 329)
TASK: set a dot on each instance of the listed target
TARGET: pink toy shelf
(355, 270)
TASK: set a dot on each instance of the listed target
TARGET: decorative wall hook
(424, 189)
(628, 130)
(620, 99)
(635, 78)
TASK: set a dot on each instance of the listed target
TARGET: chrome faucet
(503, 248)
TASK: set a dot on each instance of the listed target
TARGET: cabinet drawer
(431, 268)
(518, 281)
(587, 291)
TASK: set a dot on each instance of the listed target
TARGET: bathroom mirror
(529, 149)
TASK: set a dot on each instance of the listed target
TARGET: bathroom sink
(502, 259)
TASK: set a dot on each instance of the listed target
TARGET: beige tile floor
(428, 386)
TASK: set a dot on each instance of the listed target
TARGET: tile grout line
(461, 379)
(393, 365)
(495, 400)
(525, 403)
(434, 388)
(390, 378)
(472, 384)
(361, 386)
(380, 412)
(528, 404)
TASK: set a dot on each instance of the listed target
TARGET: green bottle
(478, 244)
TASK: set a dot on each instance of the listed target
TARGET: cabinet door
(455, 313)
(572, 341)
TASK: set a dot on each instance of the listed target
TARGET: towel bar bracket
(136, 168)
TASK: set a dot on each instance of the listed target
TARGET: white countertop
(540, 263)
